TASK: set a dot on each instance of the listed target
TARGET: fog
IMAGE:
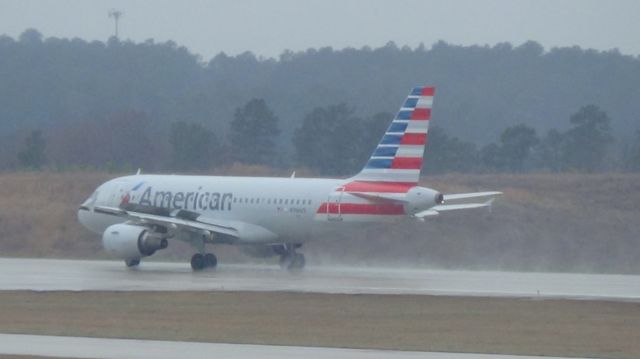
(78, 106)
(268, 28)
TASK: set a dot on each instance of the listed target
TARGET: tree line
(120, 104)
(330, 141)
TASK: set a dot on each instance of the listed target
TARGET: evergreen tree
(33, 156)
(586, 144)
(633, 157)
(193, 146)
(444, 153)
(253, 134)
(550, 151)
(516, 145)
(492, 158)
(328, 140)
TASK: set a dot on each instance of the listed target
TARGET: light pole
(116, 14)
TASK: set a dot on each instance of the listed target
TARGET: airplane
(139, 214)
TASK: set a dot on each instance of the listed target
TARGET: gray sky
(269, 27)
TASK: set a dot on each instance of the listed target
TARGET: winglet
(139, 171)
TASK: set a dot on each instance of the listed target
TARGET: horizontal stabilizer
(435, 210)
(455, 196)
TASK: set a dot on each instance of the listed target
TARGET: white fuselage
(291, 208)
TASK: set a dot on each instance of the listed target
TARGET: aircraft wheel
(297, 262)
(198, 262)
(285, 261)
(132, 262)
(292, 262)
(211, 260)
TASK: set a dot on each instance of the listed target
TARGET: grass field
(544, 222)
(425, 323)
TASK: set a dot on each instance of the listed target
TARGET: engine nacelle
(421, 198)
(127, 241)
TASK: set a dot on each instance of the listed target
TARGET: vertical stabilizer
(398, 156)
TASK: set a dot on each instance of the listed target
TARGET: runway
(74, 275)
(75, 347)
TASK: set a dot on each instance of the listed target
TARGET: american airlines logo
(197, 200)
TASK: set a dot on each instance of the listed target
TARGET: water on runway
(134, 349)
(74, 275)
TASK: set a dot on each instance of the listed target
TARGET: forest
(120, 105)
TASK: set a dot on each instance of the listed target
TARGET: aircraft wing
(177, 220)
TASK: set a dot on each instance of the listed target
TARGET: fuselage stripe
(361, 208)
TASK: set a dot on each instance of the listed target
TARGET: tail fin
(398, 157)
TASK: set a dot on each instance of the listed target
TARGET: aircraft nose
(83, 211)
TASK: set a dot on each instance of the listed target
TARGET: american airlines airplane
(138, 215)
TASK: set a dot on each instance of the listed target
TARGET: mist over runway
(133, 349)
(83, 275)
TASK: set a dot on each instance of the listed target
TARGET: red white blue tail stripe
(398, 156)
(380, 189)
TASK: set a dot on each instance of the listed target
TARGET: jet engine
(127, 241)
(421, 198)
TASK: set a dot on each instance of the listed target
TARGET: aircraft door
(334, 212)
(117, 193)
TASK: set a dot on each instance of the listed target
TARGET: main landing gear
(292, 260)
(201, 261)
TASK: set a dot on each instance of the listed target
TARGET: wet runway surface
(75, 347)
(74, 275)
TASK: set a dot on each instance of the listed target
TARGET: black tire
(210, 260)
(301, 261)
(132, 262)
(297, 263)
(285, 261)
(197, 262)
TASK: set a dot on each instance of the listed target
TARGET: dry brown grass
(38, 213)
(549, 222)
(425, 323)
